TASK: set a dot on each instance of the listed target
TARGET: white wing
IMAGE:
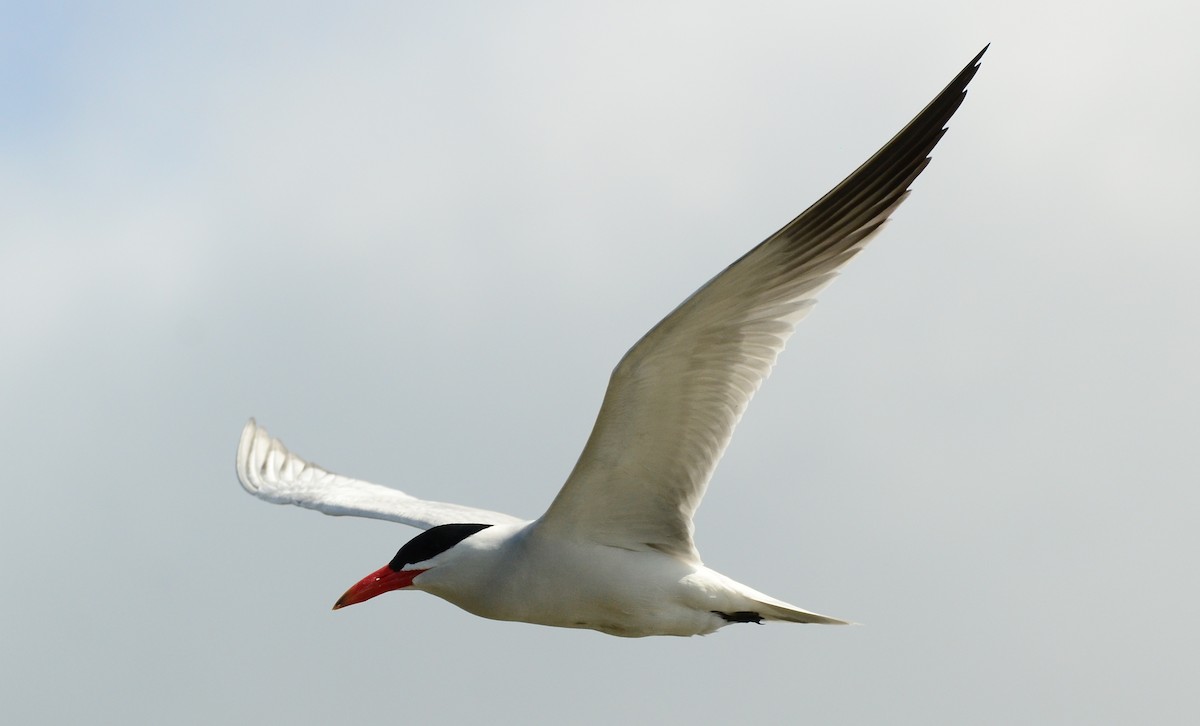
(674, 399)
(269, 471)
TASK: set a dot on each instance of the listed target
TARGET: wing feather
(674, 399)
(270, 472)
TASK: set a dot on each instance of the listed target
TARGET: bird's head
(418, 555)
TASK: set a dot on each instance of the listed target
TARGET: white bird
(614, 551)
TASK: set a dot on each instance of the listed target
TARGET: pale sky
(412, 239)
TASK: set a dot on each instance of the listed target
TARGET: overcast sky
(413, 238)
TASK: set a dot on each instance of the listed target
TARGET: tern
(614, 551)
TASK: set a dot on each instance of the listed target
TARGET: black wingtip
(876, 187)
(973, 66)
(960, 82)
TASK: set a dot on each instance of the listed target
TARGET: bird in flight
(614, 551)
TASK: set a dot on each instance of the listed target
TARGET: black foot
(741, 616)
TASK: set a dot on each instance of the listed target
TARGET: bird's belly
(618, 592)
